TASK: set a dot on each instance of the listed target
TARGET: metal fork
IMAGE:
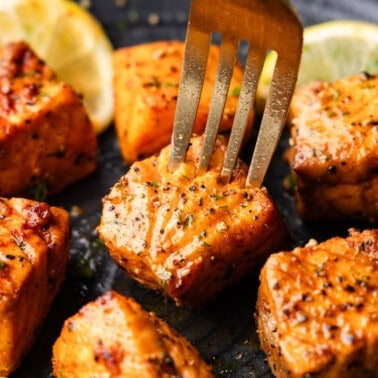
(265, 25)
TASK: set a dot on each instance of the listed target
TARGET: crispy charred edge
(18, 60)
(166, 363)
(37, 217)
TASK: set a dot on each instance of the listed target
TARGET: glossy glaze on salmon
(114, 336)
(334, 154)
(34, 246)
(146, 79)
(317, 309)
(46, 139)
(188, 236)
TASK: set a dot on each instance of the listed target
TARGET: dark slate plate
(223, 331)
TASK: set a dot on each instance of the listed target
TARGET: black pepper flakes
(366, 75)
(332, 169)
(248, 196)
(276, 286)
(286, 311)
(349, 288)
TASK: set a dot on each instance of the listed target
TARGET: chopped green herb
(169, 84)
(335, 94)
(20, 244)
(164, 276)
(205, 244)
(43, 95)
(2, 265)
(153, 183)
(189, 219)
(201, 237)
(216, 197)
(97, 243)
(235, 91)
(156, 83)
(39, 192)
(289, 183)
(116, 222)
(84, 267)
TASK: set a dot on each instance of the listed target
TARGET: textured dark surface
(223, 331)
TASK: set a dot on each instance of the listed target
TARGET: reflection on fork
(264, 25)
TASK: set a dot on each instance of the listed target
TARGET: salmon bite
(189, 236)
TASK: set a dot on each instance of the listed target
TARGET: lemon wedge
(331, 50)
(73, 44)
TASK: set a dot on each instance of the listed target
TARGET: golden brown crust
(333, 156)
(317, 308)
(114, 337)
(34, 250)
(189, 236)
(46, 138)
(146, 79)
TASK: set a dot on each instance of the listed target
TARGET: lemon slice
(73, 44)
(331, 50)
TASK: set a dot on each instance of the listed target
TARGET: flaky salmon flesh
(185, 235)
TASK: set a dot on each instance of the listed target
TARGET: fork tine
(251, 76)
(275, 26)
(227, 59)
(273, 120)
(196, 53)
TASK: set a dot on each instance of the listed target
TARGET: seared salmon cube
(34, 251)
(317, 308)
(189, 235)
(146, 79)
(334, 154)
(113, 336)
(46, 138)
